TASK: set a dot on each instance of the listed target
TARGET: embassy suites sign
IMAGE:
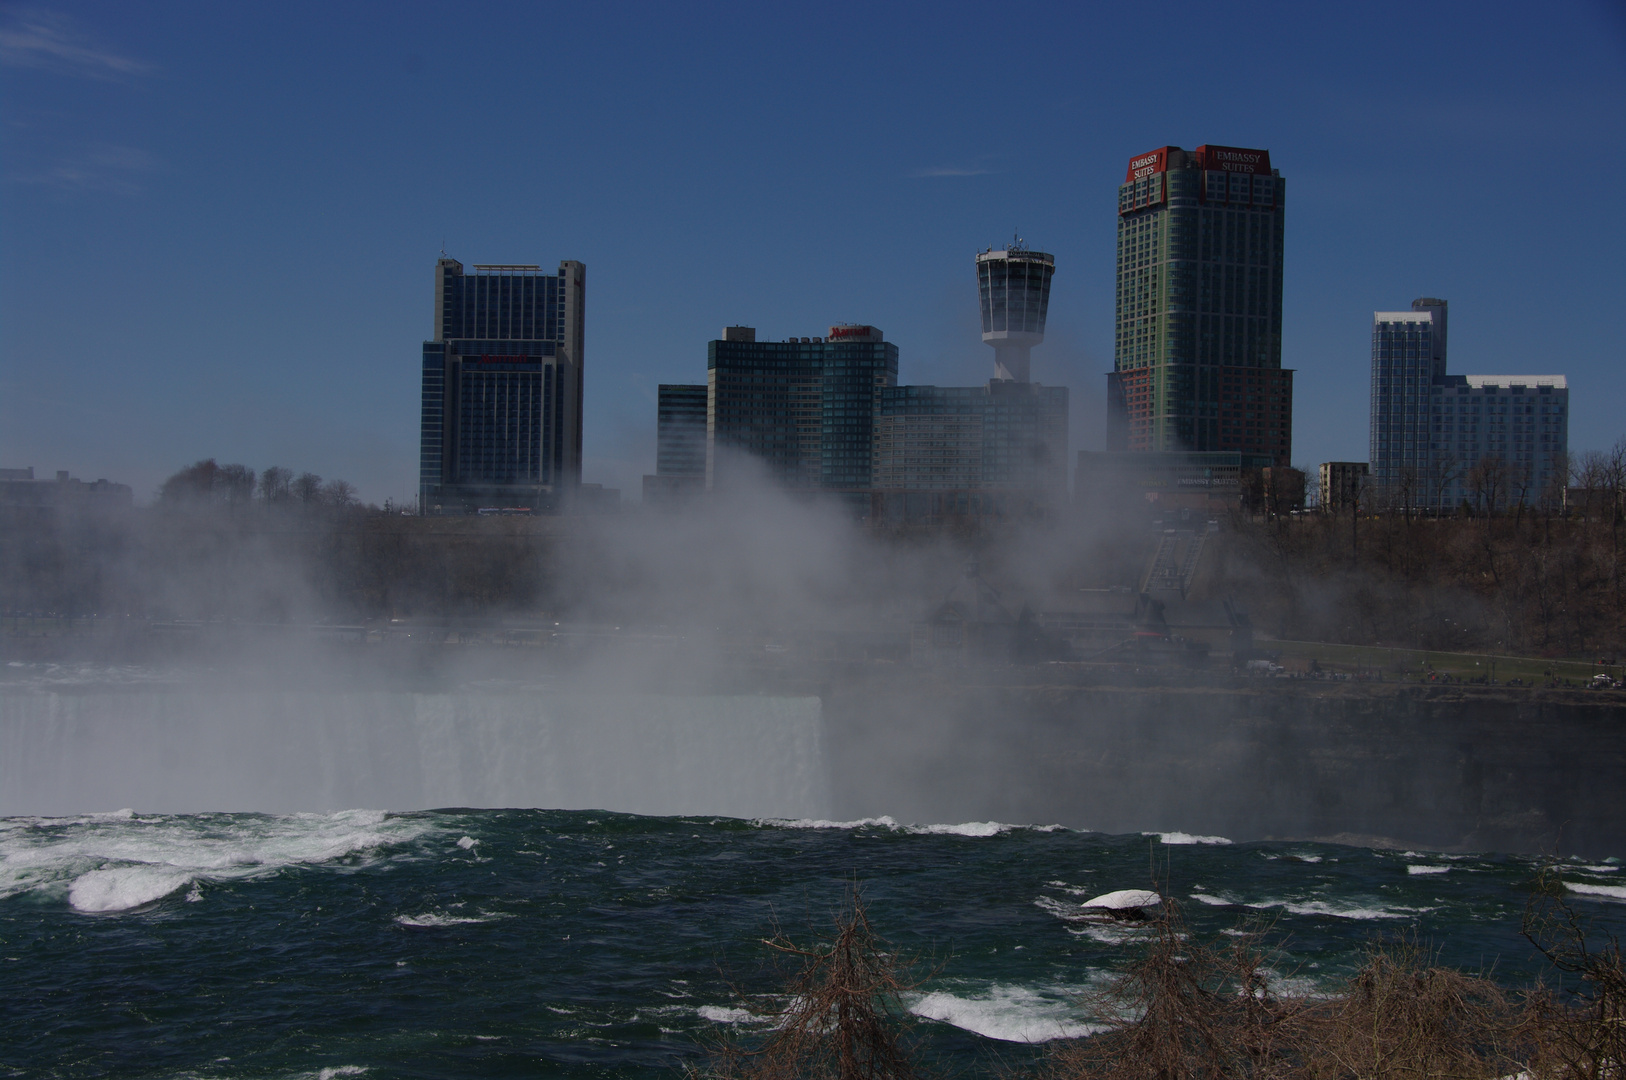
(1213, 158)
(1234, 159)
(1147, 164)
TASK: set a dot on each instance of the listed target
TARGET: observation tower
(1014, 284)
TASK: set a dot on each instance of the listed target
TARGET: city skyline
(185, 192)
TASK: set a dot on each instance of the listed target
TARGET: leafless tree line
(237, 485)
(222, 543)
(1546, 576)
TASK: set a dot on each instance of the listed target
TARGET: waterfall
(180, 749)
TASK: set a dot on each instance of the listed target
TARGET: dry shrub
(1191, 1010)
(1402, 1017)
(1186, 1009)
(1580, 1031)
(841, 1016)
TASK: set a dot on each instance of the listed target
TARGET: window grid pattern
(1197, 350)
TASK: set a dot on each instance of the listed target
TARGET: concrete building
(1498, 440)
(502, 388)
(1197, 362)
(1440, 441)
(1013, 287)
(1342, 485)
(23, 498)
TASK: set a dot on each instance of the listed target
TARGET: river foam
(1009, 1013)
(1605, 892)
(120, 861)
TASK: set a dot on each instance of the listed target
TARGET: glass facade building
(1440, 441)
(680, 430)
(1408, 360)
(1197, 359)
(826, 414)
(804, 408)
(1003, 435)
(501, 388)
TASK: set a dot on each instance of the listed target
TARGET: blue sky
(220, 221)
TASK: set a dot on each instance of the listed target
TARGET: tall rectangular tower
(1408, 359)
(1197, 362)
(502, 388)
(680, 430)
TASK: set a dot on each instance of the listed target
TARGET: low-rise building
(23, 496)
(1342, 484)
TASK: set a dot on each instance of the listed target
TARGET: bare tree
(1614, 503)
(1443, 471)
(307, 488)
(339, 494)
(1520, 480)
(195, 483)
(274, 484)
(843, 1017)
(236, 483)
(1360, 494)
(1489, 481)
(1553, 493)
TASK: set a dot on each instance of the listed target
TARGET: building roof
(1556, 381)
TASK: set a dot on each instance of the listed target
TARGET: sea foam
(1008, 1013)
(116, 862)
(1186, 838)
(1607, 892)
(964, 828)
(124, 887)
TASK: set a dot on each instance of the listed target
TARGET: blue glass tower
(502, 388)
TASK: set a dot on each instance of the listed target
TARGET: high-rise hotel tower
(502, 388)
(1197, 363)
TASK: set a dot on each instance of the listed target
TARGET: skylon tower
(1014, 284)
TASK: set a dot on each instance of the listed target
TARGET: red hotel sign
(1146, 164)
(1234, 159)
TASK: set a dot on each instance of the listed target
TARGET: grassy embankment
(1415, 665)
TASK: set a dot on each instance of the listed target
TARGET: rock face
(1455, 770)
